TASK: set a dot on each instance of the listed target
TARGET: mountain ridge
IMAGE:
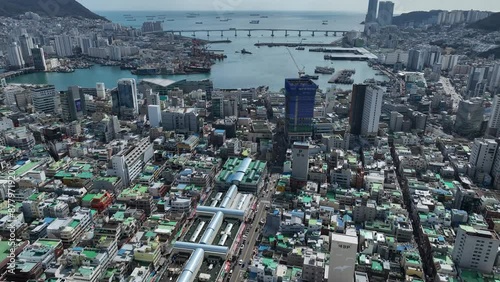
(54, 8)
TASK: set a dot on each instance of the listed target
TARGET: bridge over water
(248, 31)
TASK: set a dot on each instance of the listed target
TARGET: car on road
(240, 262)
(242, 246)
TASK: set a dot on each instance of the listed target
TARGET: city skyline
(360, 6)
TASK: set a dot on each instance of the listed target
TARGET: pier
(11, 74)
(271, 31)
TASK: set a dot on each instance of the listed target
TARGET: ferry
(254, 22)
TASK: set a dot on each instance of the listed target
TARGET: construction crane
(301, 71)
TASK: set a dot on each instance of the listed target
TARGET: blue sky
(307, 5)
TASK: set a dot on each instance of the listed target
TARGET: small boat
(217, 17)
(199, 22)
(232, 28)
(170, 20)
(254, 22)
(324, 70)
(245, 52)
(313, 77)
(263, 17)
(254, 15)
(224, 20)
(190, 16)
(300, 48)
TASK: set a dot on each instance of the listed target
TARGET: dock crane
(301, 71)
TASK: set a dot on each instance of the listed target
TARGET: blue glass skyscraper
(299, 108)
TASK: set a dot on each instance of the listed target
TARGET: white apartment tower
(154, 115)
(475, 249)
(64, 47)
(343, 253)
(128, 163)
(494, 122)
(372, 110)
(15, 56)
(483, 154)
(300, 161)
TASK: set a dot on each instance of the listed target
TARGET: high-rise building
(154, 114)
(115, 53)
(125, 98)
(366, 108)
(128, 163)
(64, 46)
(416, 60)
(372, 110)
(470, 116)
(15, 56)
(371, 16)
(385, 13)
(218, 105)
(475, 249)
(477, 81)
(38, 59)
(26, 44)
(494, 121)
(44, 99)
(72, 104)
(300, 161)
(494, 85)
(483, 154)
(85, 44)
(101, 90)
(357, 106)
(343, 254)
(299, 108)
(396, 123)
(448, 62)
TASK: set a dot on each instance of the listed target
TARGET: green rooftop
(376, 265)
(90, 254)
(25, 168)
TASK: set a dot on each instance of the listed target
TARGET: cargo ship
(307, 76)
(324, 70)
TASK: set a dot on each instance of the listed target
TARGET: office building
(475, 249)
(385, 13)
(26, 44)
(372, 110)
(38, 59)
(483, 153)
(396, 122)
(15, 56)
(469, 117)
(182, 120)
(44, 99)
(128, 163)
(371, 16)
(72, 104)
(152, 26)
(124, 98)
(343, 253)
(64, 46)
(299, 108)
(357, 106)
(154, 114)
(300, 161)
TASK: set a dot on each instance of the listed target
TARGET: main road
(264, 199)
